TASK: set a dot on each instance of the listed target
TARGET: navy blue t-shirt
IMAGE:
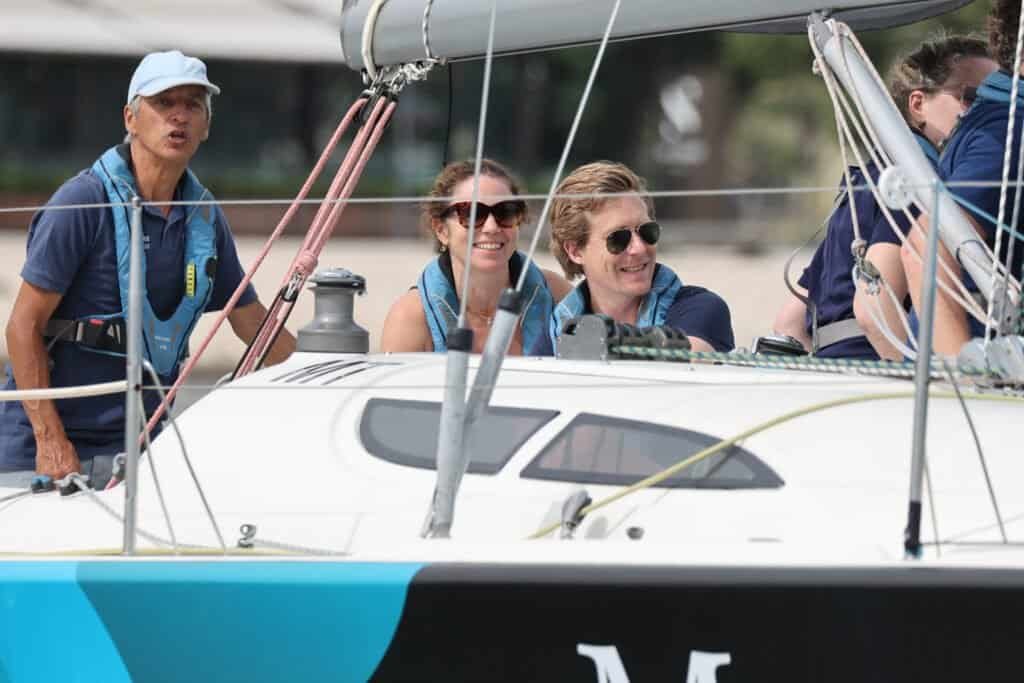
(975, 153)
(828, 279)
(697, 311)
(73, 252)
(701, 313)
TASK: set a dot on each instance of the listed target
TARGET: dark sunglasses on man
(507, 214)
(618, 241)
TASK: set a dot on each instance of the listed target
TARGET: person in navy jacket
(613, 243)
(67, 324)
(931, 87)
(975, 152)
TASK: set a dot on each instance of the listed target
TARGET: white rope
(901, 314)
(152, 538)
(869, 140)
(64, 392)
(874, 141)
(877, 315)
(369, 28)
(1004, 189)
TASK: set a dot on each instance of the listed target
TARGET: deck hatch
(598, 449)
(405, 432)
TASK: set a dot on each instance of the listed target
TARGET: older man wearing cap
(66, 327)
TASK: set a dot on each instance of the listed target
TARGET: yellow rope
(661, 476)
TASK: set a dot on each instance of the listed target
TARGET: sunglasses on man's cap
(507, 214)
(618, 241)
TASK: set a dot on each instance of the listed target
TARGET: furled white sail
(457, 29)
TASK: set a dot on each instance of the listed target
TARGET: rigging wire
(598, 58)
(184, 454)
(932, 507)
(477, 162)
(977, 445)
(156, 480)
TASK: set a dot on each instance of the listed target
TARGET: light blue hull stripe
(198, 620)
(49, 631)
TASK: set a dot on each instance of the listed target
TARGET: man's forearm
(30, 364)
(283, 347)
(245, 322)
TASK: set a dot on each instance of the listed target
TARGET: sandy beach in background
(751, 284)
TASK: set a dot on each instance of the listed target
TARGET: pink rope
(247, 278)
(305, 261)
(341, 181)
(350, 186)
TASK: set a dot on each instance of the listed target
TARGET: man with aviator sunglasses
(612, 243)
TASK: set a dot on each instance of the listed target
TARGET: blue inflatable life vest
(441, 303)
(165, 341)
(665, 286)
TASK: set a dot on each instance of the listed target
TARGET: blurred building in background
(697, 111)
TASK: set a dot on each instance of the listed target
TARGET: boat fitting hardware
(572, 513)
(248, 532)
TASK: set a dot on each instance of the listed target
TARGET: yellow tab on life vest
(190, 280)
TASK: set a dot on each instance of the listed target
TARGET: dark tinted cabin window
(405, 432)
(596, 449)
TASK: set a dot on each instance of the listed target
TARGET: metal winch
(333, 328)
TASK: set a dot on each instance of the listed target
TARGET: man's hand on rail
(55, 456)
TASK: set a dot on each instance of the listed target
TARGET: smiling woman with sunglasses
(420, 319)
(612, 242)
(834, 317)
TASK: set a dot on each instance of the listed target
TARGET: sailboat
(627, 511)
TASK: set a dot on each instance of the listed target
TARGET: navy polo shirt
(701, 313)
(697, 311)
(73, 252)
(829, 277)
(975, 153)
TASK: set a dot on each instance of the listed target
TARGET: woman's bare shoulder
(405, 327)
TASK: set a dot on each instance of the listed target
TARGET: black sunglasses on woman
(507, 214)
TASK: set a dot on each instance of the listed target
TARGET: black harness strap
(102, 334)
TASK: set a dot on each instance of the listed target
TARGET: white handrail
(64, 392)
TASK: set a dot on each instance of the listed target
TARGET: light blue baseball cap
(159, 71)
